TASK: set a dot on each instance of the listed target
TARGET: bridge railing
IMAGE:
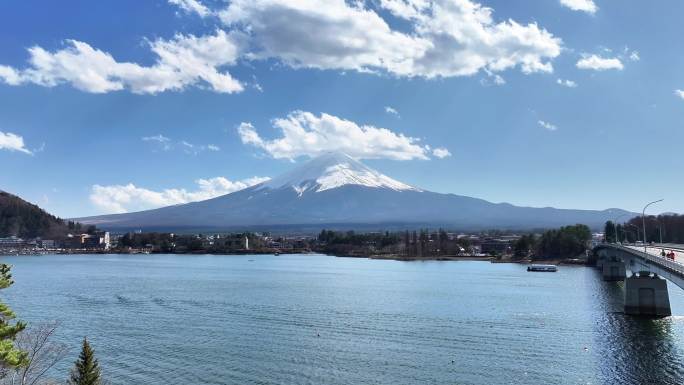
(661, 261)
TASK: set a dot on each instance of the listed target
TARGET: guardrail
(668, 264)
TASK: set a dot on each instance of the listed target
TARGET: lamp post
(643, 219)
(660, 230)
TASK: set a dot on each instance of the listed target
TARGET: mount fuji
(337, 191)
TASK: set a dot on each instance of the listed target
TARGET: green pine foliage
(86, 370)
(10, 356)
(609, 231)
(566, 242)
(525, 246)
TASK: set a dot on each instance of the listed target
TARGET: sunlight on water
(309, 319)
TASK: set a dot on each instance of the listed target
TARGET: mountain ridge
(338, 189)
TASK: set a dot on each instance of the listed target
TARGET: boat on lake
(542, 268)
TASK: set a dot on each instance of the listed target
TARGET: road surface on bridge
(675, 266)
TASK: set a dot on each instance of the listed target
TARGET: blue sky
(124, 105)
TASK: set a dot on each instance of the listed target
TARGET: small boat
(544, 268)
(276, 253)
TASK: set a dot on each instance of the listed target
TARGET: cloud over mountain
(129, 197)
(305, 134)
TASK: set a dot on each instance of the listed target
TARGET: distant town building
(495, 246)
(12, 243)
(96, 241)
(46, 243)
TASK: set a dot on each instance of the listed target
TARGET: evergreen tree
(86, 370)
(566, 242)
(524, 246)
(10, 356)
(620, 232)
(609, 232)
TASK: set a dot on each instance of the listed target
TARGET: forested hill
(26, 220)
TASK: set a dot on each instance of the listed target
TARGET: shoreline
(387, 257)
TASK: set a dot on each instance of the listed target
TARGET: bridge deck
(654, 262)
(653, 255)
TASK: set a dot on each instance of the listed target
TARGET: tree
(43, 354)
(443, 239)
(566, 242)
(86, 370)
(609, 232)
(10, 356)
(620, 232)
(524, 246)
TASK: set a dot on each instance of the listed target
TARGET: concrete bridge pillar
(646, 294)
(601, 257)
(600, 261)
(614, 270)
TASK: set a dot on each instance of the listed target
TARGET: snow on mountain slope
(335, 189)
(333, 170)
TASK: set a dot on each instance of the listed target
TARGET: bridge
(645, 286)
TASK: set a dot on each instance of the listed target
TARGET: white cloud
(182, 61)
(492, 79)
(441, 152)
(156, 138)
(634, 56)
(166, 144)
(406, 9)
(305, 134)
(443, 38)
(598, 63)
(192, 6)
(12, 142)
(126, 198)
(566, 83)
(547, 125)
(447, 37)
(587, 6)
(391, 111)
(163, 142)
(498, 80)
(10, 76)
(195, 149)
(679, 93)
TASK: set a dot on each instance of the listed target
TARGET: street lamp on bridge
(660, 229)
(643, 219)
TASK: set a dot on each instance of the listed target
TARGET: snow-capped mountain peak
(333, 170)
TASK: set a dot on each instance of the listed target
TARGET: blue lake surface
(314, 319)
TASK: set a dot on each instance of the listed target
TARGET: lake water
(312, 319)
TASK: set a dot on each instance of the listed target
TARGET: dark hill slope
(26, 220)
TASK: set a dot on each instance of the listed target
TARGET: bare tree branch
(43, 355)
